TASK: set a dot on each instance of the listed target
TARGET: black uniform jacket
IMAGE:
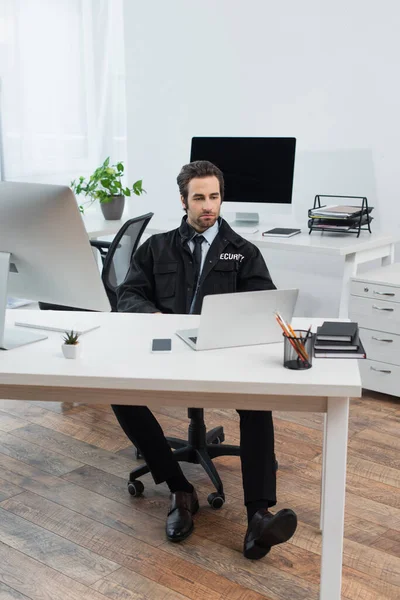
(161, 276)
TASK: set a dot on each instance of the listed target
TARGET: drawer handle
(381, 308)
(384, 293)
(381, 370)
(382, 340)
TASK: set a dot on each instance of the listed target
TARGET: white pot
(71, 350)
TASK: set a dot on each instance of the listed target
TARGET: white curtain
(62, 87)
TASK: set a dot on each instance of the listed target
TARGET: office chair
(116, 258)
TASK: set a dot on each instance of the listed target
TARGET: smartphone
(161, 345)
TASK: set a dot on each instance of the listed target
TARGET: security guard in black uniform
(171, 273)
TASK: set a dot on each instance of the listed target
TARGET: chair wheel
(216, 500)
(138, 454)
(220, 439)
(135, 488)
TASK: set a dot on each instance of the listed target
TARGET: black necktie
(197, 240)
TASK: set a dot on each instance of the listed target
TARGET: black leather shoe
(266, 530)
(179, 521)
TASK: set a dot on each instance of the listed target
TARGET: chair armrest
(100, 244)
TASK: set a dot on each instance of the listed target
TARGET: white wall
(325, 73)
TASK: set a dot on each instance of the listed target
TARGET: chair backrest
(119, 255)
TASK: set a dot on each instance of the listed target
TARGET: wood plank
(368, 418)
(37, 581)
(373, 471)
(370, 470)
(49, 461)
(386, 405)
(8, 489)
(113, 439)
(257, 575)
(7, 593)
(133, 585)
(114, 590)
(361, 586)
(356, 556)
(362, 531)
(106, 511)
(377, 439)
(182, 576)
(310, 420)
(290, 475)
(155, 499)
(10, 422)
(52, 550)
(389, 542)
(74, 449)
(287, 558)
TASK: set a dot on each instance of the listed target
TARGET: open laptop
(240, 319)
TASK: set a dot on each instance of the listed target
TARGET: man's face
(204, 202)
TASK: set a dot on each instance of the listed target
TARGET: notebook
(281, 232)
(340, 331)
(360, 353)
(338, 345)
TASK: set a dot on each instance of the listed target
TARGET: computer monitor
(45, 254)
(257, 170)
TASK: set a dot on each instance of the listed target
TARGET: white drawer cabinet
(381, 345)
(380, 377)
(375, 291)
(375, 305)
(375, 314)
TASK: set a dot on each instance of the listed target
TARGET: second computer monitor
(45, 253)
(256, 169)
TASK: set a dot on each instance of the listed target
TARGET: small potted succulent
(71, 347)
(105, 185)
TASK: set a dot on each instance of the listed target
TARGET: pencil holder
(298, 350)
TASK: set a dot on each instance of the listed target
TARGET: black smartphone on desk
(161, 345)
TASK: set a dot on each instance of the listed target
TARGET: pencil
(297, 341)
(292, 342)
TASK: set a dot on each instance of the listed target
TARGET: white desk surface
(117, 355)
(323, 243)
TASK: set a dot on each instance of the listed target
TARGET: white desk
(117, 366)
(355, 251)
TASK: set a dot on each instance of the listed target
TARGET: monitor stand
(11, 337)
(245, 220)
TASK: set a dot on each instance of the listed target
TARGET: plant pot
(112, 211)
(71, 350)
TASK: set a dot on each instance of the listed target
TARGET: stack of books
(339, 218)
(338, 339)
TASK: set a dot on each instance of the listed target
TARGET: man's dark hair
(198, 168)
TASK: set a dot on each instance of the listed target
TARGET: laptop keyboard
(193, 339)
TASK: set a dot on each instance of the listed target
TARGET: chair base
(197, 454)
(200, 448)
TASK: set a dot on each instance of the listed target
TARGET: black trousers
(256, 449)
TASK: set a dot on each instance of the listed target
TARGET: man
(171, 273)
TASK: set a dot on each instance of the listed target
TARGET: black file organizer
(356, 229)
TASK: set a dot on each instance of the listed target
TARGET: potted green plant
(71, 347)
(106, 186)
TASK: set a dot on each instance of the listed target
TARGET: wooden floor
(70, 531)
